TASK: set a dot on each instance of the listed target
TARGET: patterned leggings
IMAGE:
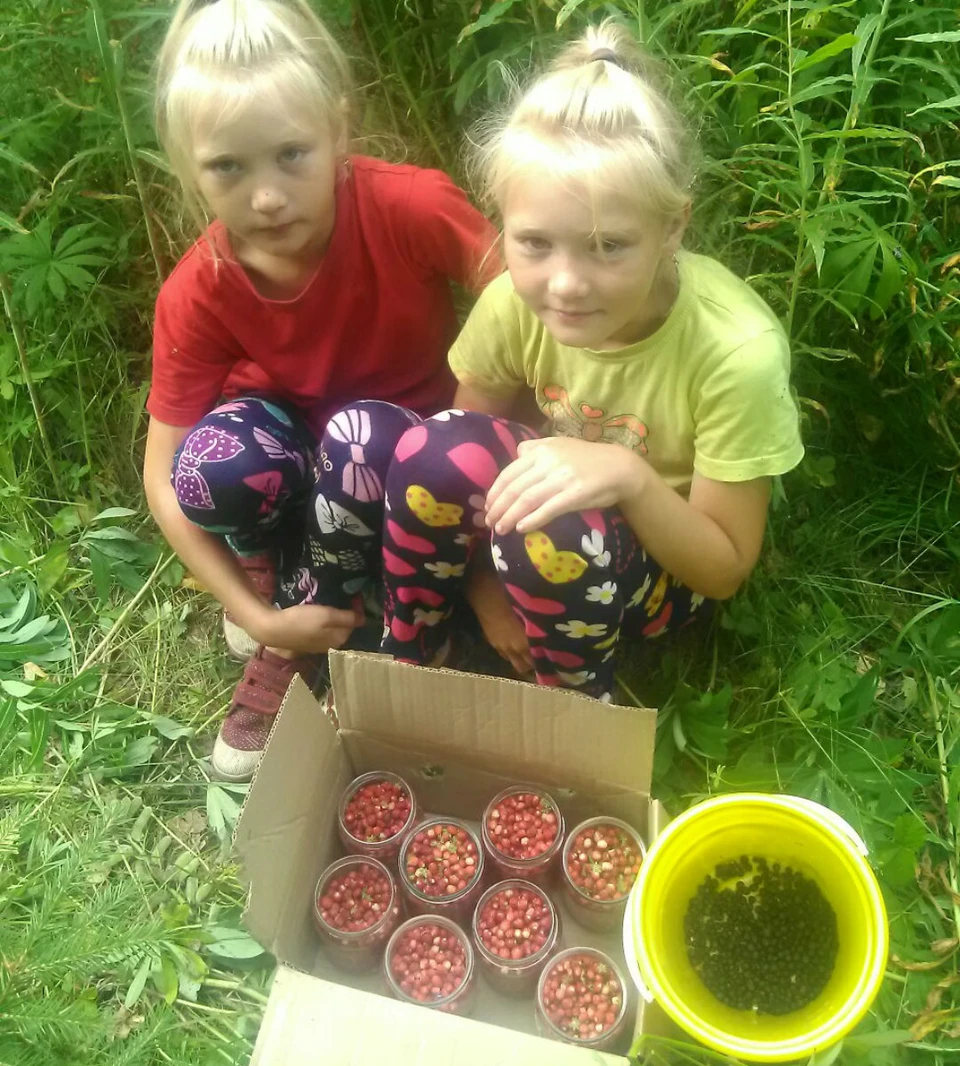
(383, 486)
(574, 584)
(253, 472)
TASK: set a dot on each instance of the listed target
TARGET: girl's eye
(292, 154)
(533, 244)
(610, 246)
(224, 167)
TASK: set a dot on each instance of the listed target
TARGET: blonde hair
(228, 52)
(597, 118)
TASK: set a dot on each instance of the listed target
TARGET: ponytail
(598, 116)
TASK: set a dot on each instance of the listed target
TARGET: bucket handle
(838, 823)
(629, 951)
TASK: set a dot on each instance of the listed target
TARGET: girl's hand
(557, 475)
(501, 627)
(307, 628)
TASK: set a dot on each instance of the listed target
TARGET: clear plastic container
(437, 851)
(352, 892)
(566, 1006)
(361, 829)
(512, 944)
(448, 984)
(522, 831)
(600, 870)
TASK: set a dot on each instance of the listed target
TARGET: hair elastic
(605, 55)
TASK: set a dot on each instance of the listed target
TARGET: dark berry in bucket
(762, 937)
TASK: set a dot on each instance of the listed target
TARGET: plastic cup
(425, 890)
(515, 970)
(356, 949)
(358, 840)
(576, 1024)
(597, 907)
(412, 942)
(538, 813)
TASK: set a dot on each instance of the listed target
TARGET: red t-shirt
(375, 322)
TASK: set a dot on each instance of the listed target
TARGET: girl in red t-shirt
(323, 278)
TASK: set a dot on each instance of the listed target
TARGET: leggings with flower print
(576, 584)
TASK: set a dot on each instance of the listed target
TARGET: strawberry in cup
(356, 909)
(522, 832)
(601, 860)
(581, 999)
(429, 961)
(376, 812)
(441, 866)
(516, 929)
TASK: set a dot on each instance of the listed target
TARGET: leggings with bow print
(253, 472)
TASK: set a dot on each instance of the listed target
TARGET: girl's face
(270, 178)
(596, 278)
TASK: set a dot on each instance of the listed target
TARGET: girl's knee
(554, 553)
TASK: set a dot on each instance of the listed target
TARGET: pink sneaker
(260, 570)
(256, 700)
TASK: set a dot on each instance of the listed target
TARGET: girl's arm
(471, 397)
(710, 542)
(305, 628)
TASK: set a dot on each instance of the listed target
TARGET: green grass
(829, 178)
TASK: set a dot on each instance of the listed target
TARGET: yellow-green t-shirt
(709, 391)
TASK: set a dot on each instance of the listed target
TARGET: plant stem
(28, 379)
(412, 100)
(116, 47)
(953, 859)
(858, 97)
(98, 651)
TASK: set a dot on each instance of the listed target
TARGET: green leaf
(100, 571)
(949, 104)
(140, 751)
(891, 281)
(880, 1038)
(137, 985)
(11, 156)
(222, 812)
(943, 37)
(489, 18)
(168, 728)
(230, 943)
(839, 44)
(909, 831)
(824, 87)
(166, 980)
(114, 512)
(52, 567)
(8, 222)
(567, 10)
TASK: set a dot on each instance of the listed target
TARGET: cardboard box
(458, 739)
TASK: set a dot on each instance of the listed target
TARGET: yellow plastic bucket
(785, 829)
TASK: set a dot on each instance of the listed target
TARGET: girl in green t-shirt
(663, 380)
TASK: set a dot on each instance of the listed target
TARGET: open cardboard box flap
(460, 737)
